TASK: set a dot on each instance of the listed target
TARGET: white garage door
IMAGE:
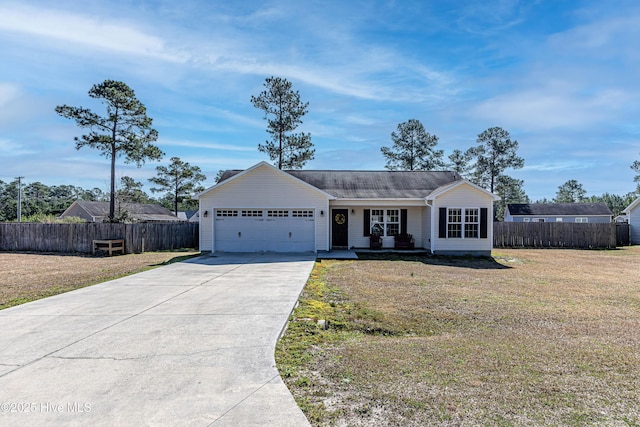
(258, 230)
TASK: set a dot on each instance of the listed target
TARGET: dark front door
(340, 227)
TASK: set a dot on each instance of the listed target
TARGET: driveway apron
(188, 344)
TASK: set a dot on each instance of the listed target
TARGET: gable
(262, 174)
(632, 206)
(261, 184)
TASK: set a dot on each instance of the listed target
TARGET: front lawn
(531, 337)
(27, 276)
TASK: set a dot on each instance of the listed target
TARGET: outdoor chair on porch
(375, 241)
(404, 241)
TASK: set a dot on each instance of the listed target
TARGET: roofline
(256, 166)
(447, 187)
(360, 199)
(633, 204)
(555, 215)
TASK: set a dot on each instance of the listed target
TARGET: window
(273, 214)
(393, 222)
(526, 219)
(302, 214)
(226, 212)
(582, 219)
(558, 219)
(385, 222)
(454, 223)
(463, 223)
(252, 213)
(471, 223)
(377, 221)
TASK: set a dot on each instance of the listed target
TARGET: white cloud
(12, 149)
(207, 145)
(87, 30)
(550, 108)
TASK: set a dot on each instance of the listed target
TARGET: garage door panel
(275, 231)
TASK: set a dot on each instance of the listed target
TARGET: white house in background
(558, 212)
(632, 213)
(263, 208)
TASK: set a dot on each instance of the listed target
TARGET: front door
(340, 228)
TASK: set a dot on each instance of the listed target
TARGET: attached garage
(258, 230)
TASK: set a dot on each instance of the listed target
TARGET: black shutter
(442, 232)
(367, 222)
(403, 221)
(483, 222)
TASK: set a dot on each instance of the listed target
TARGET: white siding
(463, 196)
(263, 187)
(634, 225)
(415, 225)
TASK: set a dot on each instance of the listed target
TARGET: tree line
(125, 130)
(42, 203)
(413, 148)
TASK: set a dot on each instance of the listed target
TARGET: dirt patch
(28, 276)
(531, 337)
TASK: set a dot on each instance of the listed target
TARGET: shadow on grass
(479, 263)
(176, 259)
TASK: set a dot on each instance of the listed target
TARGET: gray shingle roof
(142, 212)
(371, 184)
(559, 209)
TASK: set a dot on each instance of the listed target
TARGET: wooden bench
(110, 246)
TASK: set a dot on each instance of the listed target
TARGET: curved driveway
(187, 344)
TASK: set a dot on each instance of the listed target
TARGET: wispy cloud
(206, 145)
(83, 29)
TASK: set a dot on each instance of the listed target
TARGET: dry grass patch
(26, 277)
(533, 337)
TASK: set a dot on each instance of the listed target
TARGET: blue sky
(561, 76)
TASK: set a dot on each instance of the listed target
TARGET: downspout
(432, 219)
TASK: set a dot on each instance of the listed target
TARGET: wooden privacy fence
(79, 237)
(623, 234)
(553, 235)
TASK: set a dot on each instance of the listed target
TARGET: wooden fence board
(79, 237)
(554, 235)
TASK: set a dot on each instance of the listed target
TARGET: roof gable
(632, 206)
(232, 175)
(558, 209)
(448, 187)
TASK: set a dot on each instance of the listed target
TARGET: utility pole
(19, 178)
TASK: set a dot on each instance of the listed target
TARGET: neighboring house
(558, 212)
(189, 216)
(99, 211)
(622, 218)
(633, 215)
(265, 209)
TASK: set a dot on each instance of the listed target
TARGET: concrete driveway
(187, 344)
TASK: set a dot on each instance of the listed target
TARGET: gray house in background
(99, 211)
(558, 212)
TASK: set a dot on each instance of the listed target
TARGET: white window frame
(526, 219)
(381, 218)
(558, 219)
(582, 220)
(471, 224)
(465, 222)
